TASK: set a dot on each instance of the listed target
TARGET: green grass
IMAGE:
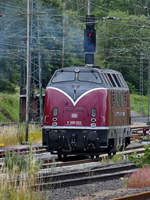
(9, 112)
(9, 107)
(139, 104)
(19, 175)
(12, 135)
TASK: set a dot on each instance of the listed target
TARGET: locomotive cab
(86, 111)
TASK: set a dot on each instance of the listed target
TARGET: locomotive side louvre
(119, 115)
(119, 119)
(86, 110)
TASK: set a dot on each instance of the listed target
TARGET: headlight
(93, 112)
(55, 111)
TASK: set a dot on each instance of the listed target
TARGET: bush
(140, 178)
(141, 160)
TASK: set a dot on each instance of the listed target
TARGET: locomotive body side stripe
(85, 127)
(75, 102)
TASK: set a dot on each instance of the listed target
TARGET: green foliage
(120, 41)
(141, 160)
(15, 160)
(35, 136)
(121, 46)
(9, 107)
(131, 88)
(139, 104)
(6, 85)
(117, 158)
(21, 133)
(53, 3)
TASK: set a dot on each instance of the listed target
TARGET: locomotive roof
(85, 68)
(107, 77)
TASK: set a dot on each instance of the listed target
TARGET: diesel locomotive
(86, 111)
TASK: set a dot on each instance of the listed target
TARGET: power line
(10, 5)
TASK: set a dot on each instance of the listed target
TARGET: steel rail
(139, 196)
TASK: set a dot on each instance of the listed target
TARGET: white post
(88, 8)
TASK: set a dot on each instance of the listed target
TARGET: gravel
(97, 191)
(106, 190)
(84, 191)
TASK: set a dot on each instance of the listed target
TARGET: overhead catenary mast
(31, 98)
(39, 66)
(28, 72)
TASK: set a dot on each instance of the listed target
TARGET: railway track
(40, 153)
(85, 171)
(24, 149)
(48, 162)
(90, 172)
(90, 175)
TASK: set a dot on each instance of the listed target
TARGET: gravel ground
(98, 191)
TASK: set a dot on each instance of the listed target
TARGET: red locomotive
(86, 111)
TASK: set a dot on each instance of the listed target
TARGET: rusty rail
(140, 196)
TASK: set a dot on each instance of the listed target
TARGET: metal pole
(28, 71)
(141, 83)
(63, 33)
(40, 69)
(148, 92)
(88, 8)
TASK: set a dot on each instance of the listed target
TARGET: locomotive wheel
(98, 158)
(109, 155)
(61, 156)
(92, 157)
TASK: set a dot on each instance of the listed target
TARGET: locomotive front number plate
(74, 115)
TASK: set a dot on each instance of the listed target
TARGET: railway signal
(90, 35)
(146, 131)
(90, 40)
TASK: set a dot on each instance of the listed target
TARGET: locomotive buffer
(90, 40)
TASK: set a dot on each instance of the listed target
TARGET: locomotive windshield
(90, 77)
(85, 76)
(63, 76)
